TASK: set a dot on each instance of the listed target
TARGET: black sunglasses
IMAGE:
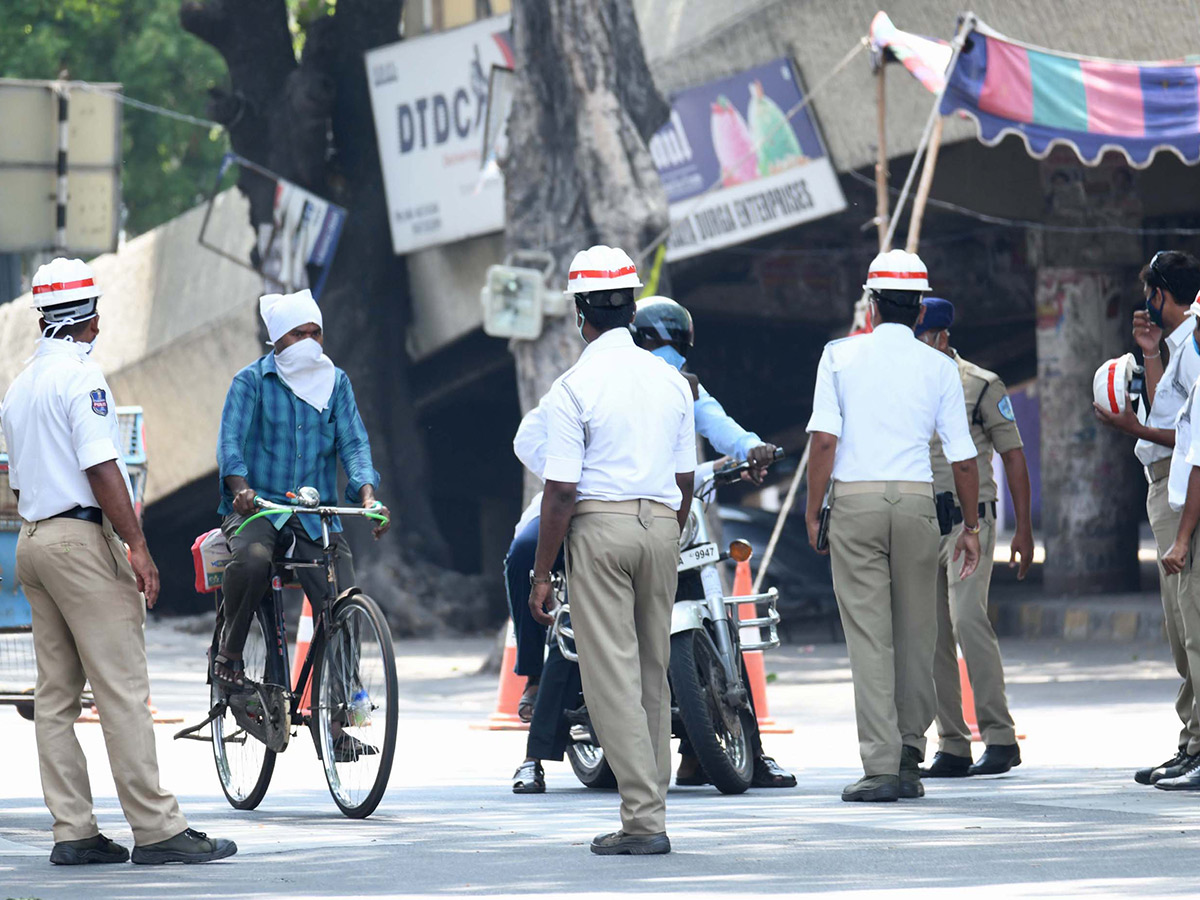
(1154, 270)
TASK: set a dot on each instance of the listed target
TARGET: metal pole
(788, 502)
(62, 90)
(881, 157)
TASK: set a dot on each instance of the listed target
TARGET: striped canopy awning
(1089, 104)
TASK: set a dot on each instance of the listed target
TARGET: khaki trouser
(1164, 522)
(883, 541)
(88, 620)
(621, 577)
(963, 620)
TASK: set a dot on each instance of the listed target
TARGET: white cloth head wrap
(283, 312)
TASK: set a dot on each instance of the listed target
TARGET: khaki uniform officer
(879, 398)
(620, 453)
(963, 603)
(72, 490)
(1169, 283)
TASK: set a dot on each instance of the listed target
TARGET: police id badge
(99, 402)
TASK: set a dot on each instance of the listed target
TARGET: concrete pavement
(1070, 821)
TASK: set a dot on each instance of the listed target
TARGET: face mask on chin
(669, 354)
(1155, 314)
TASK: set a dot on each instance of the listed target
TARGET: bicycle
(346, 687)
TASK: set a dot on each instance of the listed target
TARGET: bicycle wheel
(355, 705)
(244, 764)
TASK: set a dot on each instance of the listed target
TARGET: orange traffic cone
(968, 699)
(304, 636)
(743, 586)
(512, 686)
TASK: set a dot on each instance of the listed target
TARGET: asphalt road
(1070, 821)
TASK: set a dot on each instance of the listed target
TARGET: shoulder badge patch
(1005, 407)
(99, 402)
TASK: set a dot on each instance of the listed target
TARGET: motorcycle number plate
(698, 556)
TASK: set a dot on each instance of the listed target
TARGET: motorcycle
(710, 697)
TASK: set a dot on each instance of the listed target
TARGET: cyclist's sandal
(228, 673)
(348, 749)
(529, 778)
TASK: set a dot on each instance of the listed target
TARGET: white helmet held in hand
(1118, 383)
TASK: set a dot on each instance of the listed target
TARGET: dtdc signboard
(429, 96)
(773, 172)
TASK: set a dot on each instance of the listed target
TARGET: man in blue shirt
(289, 417)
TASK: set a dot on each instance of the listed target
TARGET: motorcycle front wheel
(720, 735)
(591, 768)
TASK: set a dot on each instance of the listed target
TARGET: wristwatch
(969, 530)
(533, 579)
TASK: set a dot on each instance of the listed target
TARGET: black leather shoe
(770, 774)
(618, 843)
(1146, 775)
(947, 765)
(873, 789)
(997, 759)
(188, 846)
(98, 849)
(1187, 780)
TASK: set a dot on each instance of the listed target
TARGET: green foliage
(168, 165)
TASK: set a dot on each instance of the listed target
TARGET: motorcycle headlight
(689, 530)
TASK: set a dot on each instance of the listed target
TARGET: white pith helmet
(601, 268)
(1116, 383)
(897, 270)
(65, 289)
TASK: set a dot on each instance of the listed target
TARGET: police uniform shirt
(993, 427)
(59, 419)
(883, 395)
(1180, 373)
(620, 423)
(1186, 454)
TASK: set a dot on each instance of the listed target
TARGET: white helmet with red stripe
(601, 268)
(65, 289)
(1117, 383)
(897, 270)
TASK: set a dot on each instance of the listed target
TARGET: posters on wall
(735, 167)
(429, 96)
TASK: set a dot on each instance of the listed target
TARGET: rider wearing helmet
(663, 327)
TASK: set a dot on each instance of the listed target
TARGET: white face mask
(304, 367)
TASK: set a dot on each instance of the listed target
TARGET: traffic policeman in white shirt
(72, 488)
(620, 456)
(879, 398)
(1169, 282)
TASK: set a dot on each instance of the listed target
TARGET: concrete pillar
(1091, 483)
(1093, 492)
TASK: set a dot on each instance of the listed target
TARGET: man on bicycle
(289, 417)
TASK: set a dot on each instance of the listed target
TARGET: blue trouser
(531, 637)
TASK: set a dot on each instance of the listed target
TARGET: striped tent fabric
(1091, 105)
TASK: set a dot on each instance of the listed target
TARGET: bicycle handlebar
(268, 508)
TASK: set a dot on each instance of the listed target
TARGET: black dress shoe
(1187, 780)
(1146, 775)
(770, 774)
(996, 760)
(98, 849)
(947, 765)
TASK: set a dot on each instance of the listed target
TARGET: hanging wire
(146, 107)
(1029, 223)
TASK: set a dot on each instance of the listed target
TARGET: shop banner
(429, 96)
(769, 172)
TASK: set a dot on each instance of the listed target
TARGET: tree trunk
(578, 172)
(310, 121)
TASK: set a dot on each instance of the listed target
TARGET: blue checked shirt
(279, 443)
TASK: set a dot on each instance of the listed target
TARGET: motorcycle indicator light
(740, 551)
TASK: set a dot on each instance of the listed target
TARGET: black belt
(85, 513)
(956, 515)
